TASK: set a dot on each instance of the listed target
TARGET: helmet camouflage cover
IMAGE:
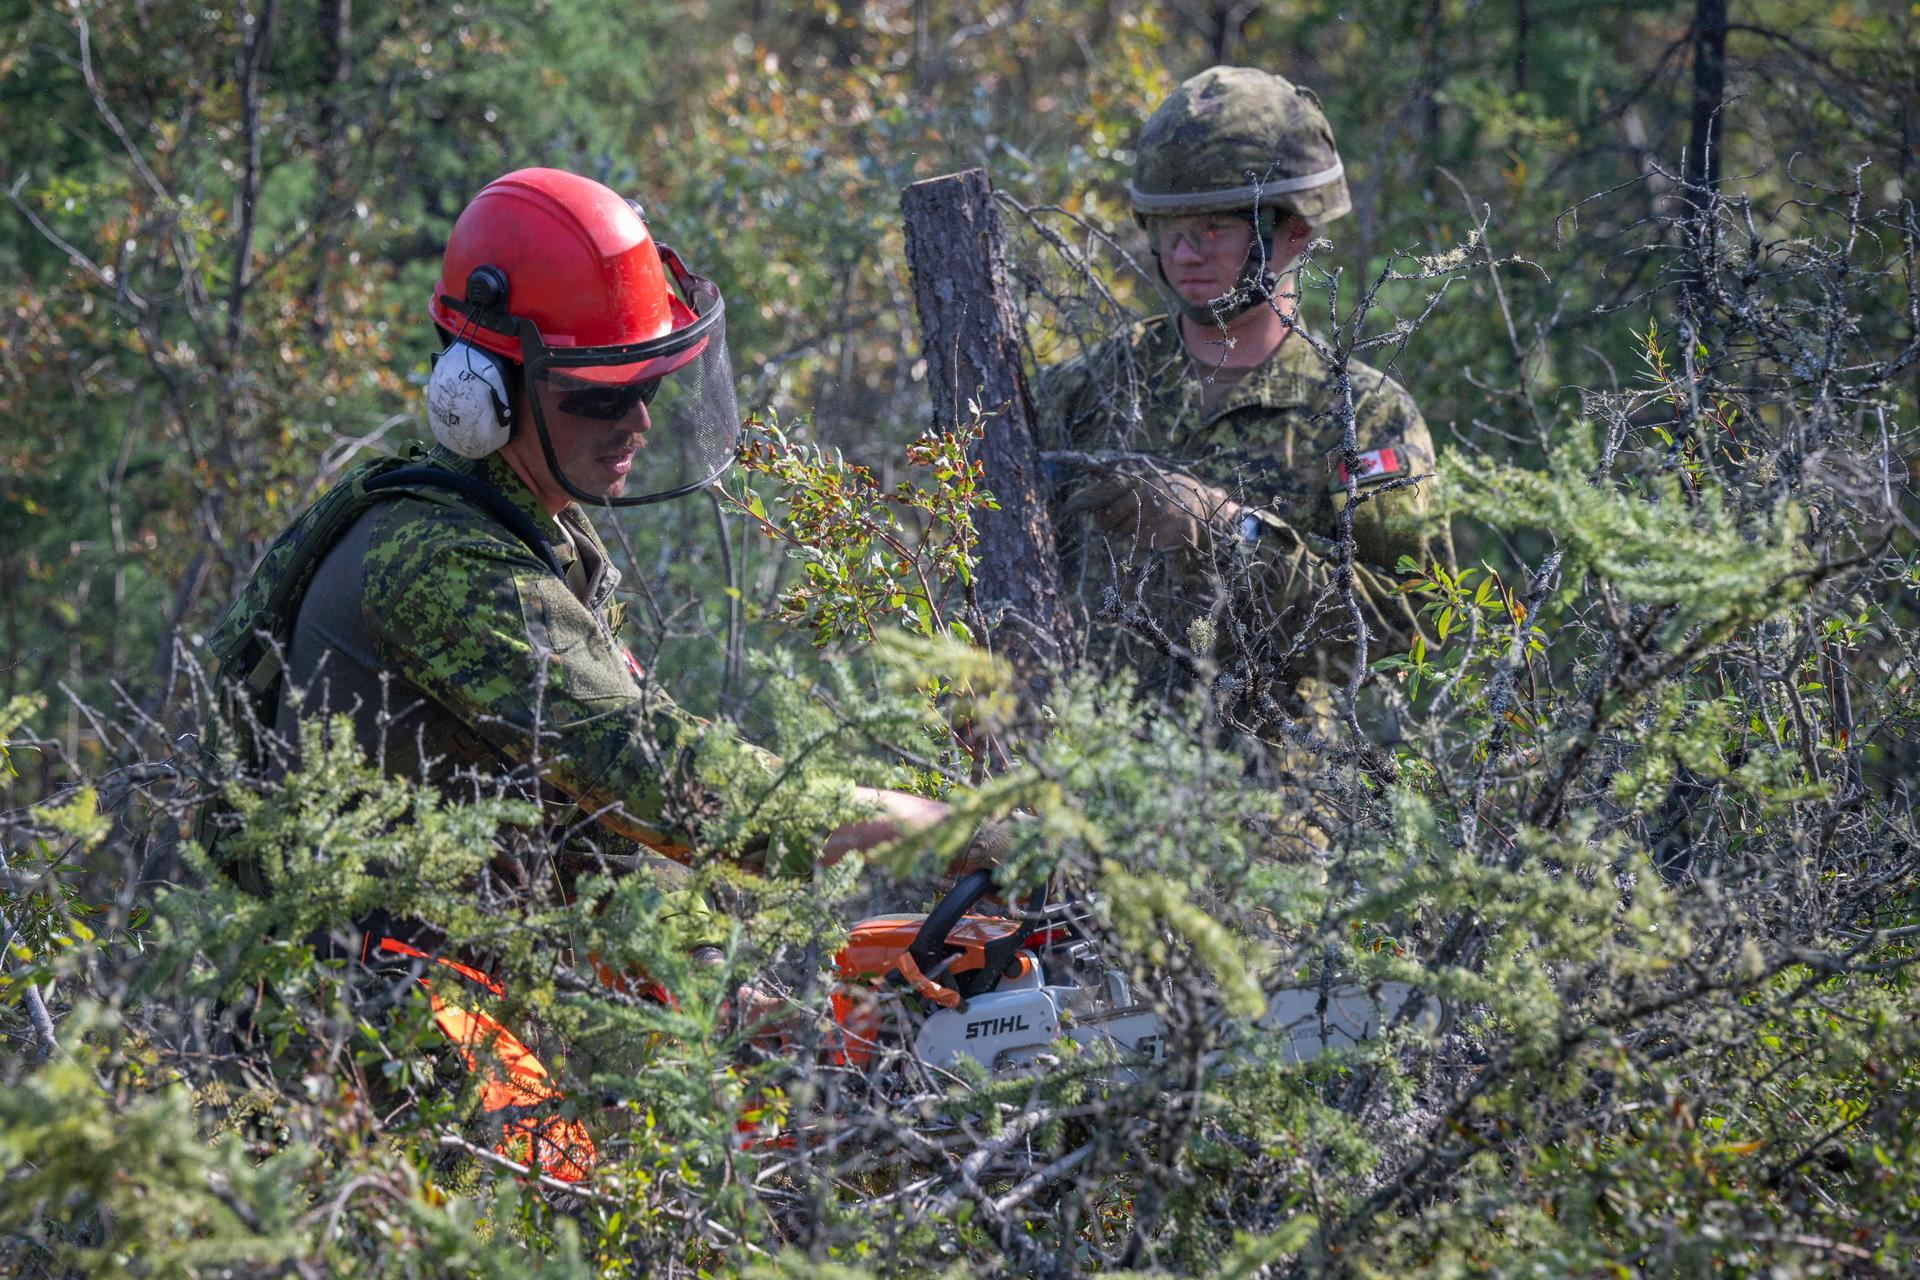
(1233, 137)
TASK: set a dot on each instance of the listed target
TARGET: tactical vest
(251, 644)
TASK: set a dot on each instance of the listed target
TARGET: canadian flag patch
(1374, 466)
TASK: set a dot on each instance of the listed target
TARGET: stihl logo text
(996, 1026)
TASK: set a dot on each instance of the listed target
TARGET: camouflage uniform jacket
(1272, 441)
(463, 660)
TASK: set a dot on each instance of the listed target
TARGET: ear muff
(468, 409)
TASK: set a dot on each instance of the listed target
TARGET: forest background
(1652, 228)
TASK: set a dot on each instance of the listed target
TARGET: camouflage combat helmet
(1232, 138)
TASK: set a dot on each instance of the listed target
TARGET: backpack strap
(249, 644)
(260, 663)
(481, 494)
(246, 643)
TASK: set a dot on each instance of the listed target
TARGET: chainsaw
(938, 990)
(952, 985)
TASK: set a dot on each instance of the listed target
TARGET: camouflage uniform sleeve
(1403, 522)
(1058, 394)
(491, 635)
(1300, 563)
(1388, 526)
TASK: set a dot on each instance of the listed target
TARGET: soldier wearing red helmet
(459, 608)
(553, 292)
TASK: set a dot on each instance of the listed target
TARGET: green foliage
(123, 1181)
(18, 710)
(862, 563)
(1689, 558)
(338, 839)
(172, 1198)
(1642, 848)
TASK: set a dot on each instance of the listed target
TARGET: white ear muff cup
(467, 406)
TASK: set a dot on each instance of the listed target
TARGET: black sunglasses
(608, 403)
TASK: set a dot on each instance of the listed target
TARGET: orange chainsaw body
(877, 950)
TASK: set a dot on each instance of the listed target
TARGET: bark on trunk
(334, 18)
(1522, 22)
(1229, 22)
(971, 339)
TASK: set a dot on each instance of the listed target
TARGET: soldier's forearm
(896, 813)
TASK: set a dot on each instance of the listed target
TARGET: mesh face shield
(629, 425)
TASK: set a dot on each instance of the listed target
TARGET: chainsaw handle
(929, 946)
(944, 996)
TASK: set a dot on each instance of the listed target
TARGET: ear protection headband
(468, 408)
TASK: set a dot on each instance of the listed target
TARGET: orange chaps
(516, 1090)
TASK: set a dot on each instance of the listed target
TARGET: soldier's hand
(1167, 511)
(768, 1019)
(895, 814)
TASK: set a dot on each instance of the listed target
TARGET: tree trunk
(971, 339)
(1433, 74)
(334, 19)
(1229, 20)
(1703, 153)
(1709, 92)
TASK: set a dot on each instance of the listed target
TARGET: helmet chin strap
(1254, 287)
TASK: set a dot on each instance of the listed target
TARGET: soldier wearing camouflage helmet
(1202, 447)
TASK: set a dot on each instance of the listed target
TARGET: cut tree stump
(970, 336)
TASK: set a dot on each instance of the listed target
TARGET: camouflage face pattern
(1232, 137)
(1271, 440)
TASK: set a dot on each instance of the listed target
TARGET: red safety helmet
(560, 275)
